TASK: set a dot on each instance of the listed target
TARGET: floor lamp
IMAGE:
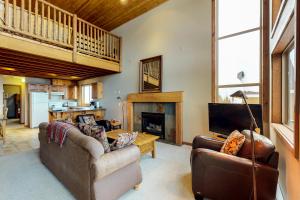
(240, 94)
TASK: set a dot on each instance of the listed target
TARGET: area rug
(23, 176)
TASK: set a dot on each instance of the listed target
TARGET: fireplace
(154, 123)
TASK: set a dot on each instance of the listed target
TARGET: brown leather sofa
(89, 173)
(219, 176)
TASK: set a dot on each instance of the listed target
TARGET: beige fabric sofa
(89, 173)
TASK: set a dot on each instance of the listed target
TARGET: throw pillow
(124, 139)
(97, 132)
(89, 119)
(233, 143)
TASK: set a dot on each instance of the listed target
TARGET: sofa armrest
(207, 143)
(225, 173)
(115, 160)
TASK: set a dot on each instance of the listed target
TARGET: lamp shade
(239, 94)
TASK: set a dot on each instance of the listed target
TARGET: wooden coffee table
(144, 141)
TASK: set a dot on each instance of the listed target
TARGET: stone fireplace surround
(163, 97)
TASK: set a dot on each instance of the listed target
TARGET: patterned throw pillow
(233, 143)
(89, 119)
(124, 139)
(97, 132)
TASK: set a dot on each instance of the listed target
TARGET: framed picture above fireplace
(151, 74)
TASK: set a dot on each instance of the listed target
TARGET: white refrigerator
(38, 108)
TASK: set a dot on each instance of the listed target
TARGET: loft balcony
(35, 30)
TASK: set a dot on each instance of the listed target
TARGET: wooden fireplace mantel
(163, 97)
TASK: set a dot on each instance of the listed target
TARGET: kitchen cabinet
(71, 92)
(97, 90)
(57, 88)
(60, 82)
(38, 88)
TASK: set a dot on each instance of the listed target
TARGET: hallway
(18, 138)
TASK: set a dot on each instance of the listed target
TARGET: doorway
(12, 94)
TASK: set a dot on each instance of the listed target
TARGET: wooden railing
(42, 21)
(96, 41)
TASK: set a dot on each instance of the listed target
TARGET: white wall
(289, 168)
(180, 30)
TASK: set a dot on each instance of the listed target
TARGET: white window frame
(83, 94)
(285, 95)
(216, 41)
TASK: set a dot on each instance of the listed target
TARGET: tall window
(238, 44)
(289, 86)
(86, 94)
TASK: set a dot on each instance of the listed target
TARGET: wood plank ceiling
(20, 64)
(107, 14)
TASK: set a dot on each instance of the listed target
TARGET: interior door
(11, 105)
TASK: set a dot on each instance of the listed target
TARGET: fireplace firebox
(154, 123)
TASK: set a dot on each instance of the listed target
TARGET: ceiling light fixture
(74, 77)
(124, 2)
(8, 68)
(52, 74)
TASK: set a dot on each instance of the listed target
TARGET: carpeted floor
(23, 176)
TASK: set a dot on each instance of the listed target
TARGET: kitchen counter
(72, 113)
(78, 110)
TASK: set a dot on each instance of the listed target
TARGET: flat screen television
(225, 118)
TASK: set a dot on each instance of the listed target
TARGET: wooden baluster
(6, 12)
(109, 44)
(48, 21)
(36, 10)
(80, 34)
(119, 50)
(15, 14)
(87, 34)
(109, 36)
(102, 42)
(83, 35)
(42, 20)
(54, 24)
(98, 42)
(74, 38)
(113, 46)
(29, 16)
(22, 15)
(69, 29)
(90, 38)
(64, 29)
(59, 25)
(95, 34)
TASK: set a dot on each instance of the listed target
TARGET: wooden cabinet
(69, 88)
(71, 92)
(38, 88)
(57, 88)
(61, 82)
(97, 90)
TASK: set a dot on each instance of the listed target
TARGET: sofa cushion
(97, 132)
(115, 160)
(233, 143)
(264, 148)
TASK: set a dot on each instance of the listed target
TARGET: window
(289, 86)
(86, 94)
(238, 44)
